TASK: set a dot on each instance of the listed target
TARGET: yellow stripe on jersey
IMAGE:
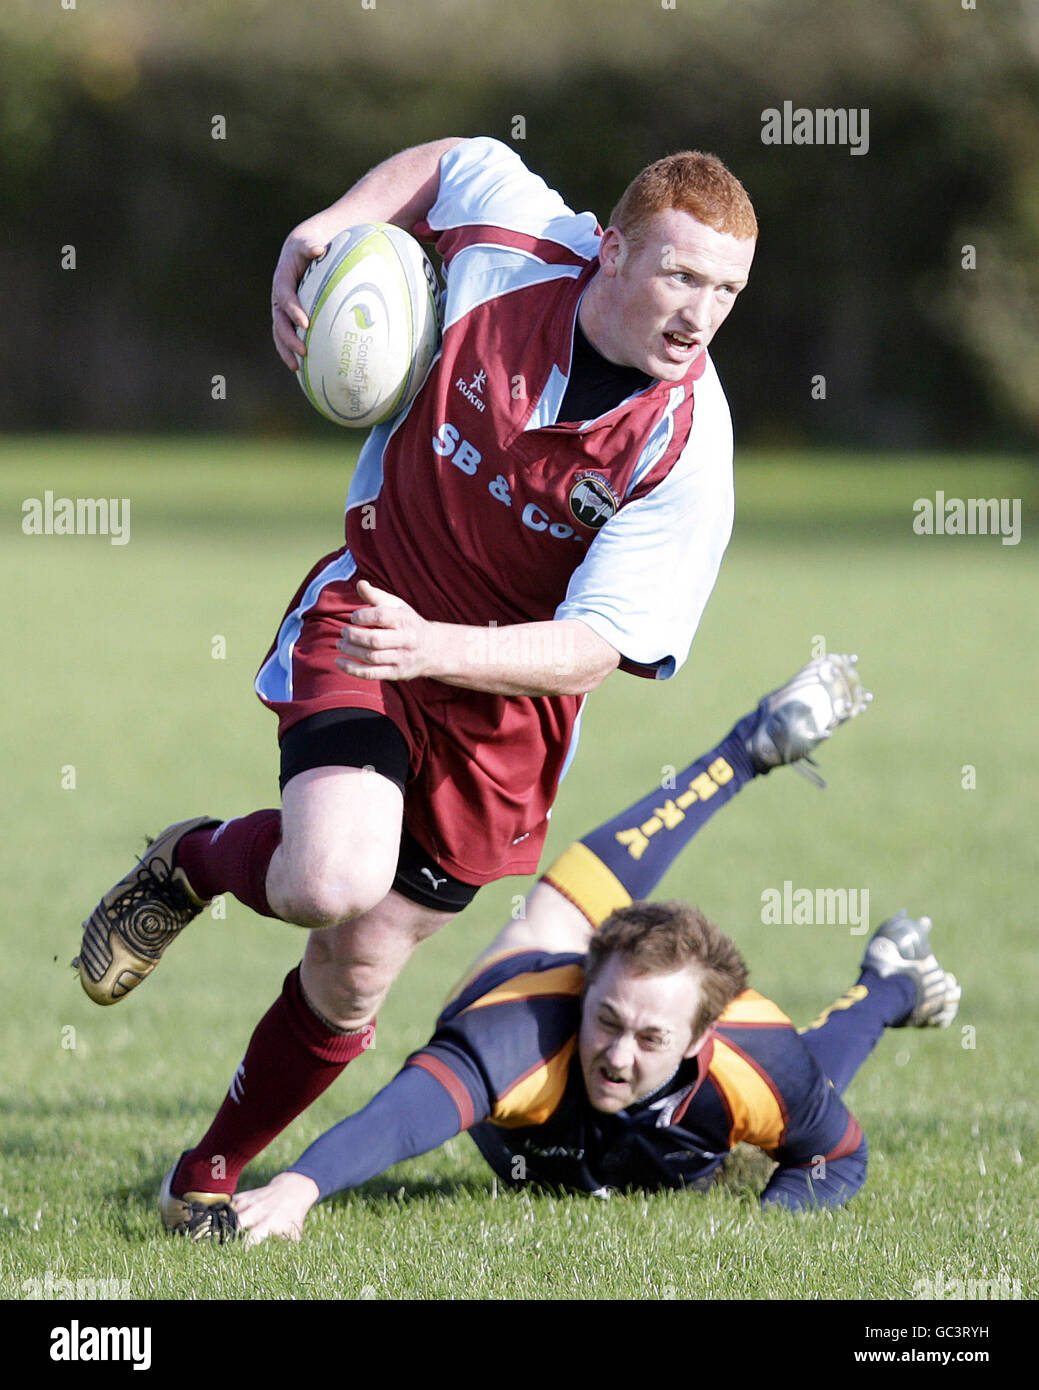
(535, 1098)
(752, 1007)
(477, 968)
(564, 979)
(591, 886)
(756, 1115)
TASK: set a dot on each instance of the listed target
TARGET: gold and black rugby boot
(125, 935)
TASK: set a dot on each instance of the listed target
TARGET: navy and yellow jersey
(505, 1050)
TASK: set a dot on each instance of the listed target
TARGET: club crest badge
(591, 501)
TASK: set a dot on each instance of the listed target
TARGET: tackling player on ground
(635, 1056)
(639, 1064)
(525, 1053)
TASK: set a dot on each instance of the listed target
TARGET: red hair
(692, 182)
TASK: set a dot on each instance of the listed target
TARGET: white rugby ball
(372, 303)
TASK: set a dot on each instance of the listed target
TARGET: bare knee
(347, 972)
(321, 896)
(340, 842)
(350, 996)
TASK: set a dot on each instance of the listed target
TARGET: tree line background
(109, 111)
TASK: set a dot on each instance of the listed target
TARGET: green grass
(109, 672)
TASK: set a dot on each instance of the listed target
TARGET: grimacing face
(657, 303)
(636, 1030)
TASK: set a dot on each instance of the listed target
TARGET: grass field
(125, 711)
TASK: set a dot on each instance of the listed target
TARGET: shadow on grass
(384, 1194)
(76, 1111)
(131, 1204)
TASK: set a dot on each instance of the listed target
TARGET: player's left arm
(388, 640)
(822, 1182)
(823, 1153)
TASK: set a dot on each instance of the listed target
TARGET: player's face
(663, 298)
(636, 1030)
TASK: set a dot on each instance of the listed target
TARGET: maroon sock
(233, 857)
(293, 1056)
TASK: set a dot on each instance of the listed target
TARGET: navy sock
(624, 859)
(844, 1035)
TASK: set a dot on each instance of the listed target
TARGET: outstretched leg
(901, 986)
(625, 859)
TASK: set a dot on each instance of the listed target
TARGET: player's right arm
(501, 1050)
(401, 190)
(417, 1112)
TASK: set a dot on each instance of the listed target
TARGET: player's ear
(695, 1046)
(613, 251)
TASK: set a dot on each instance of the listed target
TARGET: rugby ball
(374, 325)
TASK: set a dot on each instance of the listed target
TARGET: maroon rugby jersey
(478, 506)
